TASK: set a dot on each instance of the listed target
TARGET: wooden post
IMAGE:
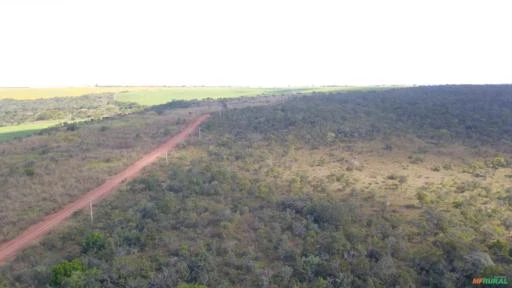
(90, 207)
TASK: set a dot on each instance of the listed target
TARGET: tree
(95, 242)
(64, 270)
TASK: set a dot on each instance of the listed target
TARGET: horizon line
(250, 86)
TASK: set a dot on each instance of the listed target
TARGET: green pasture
(29, 128)
(158, 96)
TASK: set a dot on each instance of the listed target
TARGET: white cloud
(259, 43)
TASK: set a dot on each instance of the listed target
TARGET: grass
(158, 96)
(141, 95)
(43, 93)
(4, 136)
(25, 129)
(11, 132)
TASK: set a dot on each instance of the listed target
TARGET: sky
(55, 43)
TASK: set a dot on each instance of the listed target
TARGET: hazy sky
(256, 43)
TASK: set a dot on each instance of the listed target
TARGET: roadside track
(37, 231)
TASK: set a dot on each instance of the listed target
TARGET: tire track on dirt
(35, 232)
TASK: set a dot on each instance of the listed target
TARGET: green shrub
(467, 186)
(95, 242)
(29, 171)
(498, 162)
(64, 270)
(50, 115)
(499, 247)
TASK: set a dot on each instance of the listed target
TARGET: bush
(475, 262)
(436, 168)
(64, 270)
(416, 159)
(95, 242)
(468, 186)
(29, 171)
(499, 247)
(392, 176)
(71, 126)
(498, 162)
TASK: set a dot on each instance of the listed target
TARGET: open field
(156, 96)
(142, 95)
(10, 132)
(159, 95)
(25, 129)
(44, 93)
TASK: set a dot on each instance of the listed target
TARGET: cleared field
(11, 132)
(42, 93)
(156, 96)
(143, 95)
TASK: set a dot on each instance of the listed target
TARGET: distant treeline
(469, 114)
(14, 112)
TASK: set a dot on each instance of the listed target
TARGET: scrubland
(406, 187)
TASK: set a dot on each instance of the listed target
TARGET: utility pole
(90, 208)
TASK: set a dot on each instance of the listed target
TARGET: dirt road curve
(37, 231)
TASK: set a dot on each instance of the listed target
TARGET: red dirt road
(35, 232)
